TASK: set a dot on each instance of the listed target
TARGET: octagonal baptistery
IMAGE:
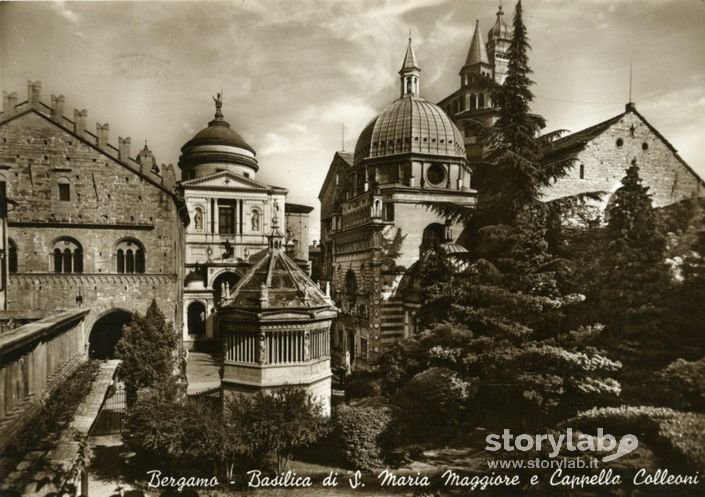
(275, 328)
(217, 148)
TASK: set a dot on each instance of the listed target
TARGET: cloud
(64, 11)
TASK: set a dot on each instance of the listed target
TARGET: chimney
(9, 102)
(123, 148)
(79, 121)
(57, 108)
(101, 133)
(34, 92)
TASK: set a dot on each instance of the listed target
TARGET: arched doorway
(106, 333)
(196, 318)
(224, 282)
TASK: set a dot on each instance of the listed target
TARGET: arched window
(12, 256)
(129, 256)
(120, 258)
(67, 256)
(432, 236)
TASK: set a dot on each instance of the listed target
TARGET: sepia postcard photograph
(352, 248)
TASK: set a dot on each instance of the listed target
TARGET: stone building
(297, 237)
(230, 212)
(275, 327)
(605, 151)
(92, 227)
(374, 224)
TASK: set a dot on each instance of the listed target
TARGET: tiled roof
(276, 282)
(575, 141)
(346, 156)
(477, 53)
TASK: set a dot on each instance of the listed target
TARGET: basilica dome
(217, 148)
(410, 125)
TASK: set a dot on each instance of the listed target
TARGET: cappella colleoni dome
(410, 125)
(217, 148)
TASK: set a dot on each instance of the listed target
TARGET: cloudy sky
(293, 71)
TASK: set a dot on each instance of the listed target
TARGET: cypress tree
(636, 277)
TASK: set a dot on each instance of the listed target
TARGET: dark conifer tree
(636, 277)
(147, 351)
(509, 302)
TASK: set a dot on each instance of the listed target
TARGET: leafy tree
(156, 422)
(278, 422)
(147, 351)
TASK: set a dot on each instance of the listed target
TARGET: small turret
(410, 73)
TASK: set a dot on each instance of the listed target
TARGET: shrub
(683, 435)
(685, 383)
(433, 400)
(673, 434)
(639, 420)
(361, 432)
(54, 415)
(279, 422)
(359, 385)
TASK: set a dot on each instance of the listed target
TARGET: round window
(436, 174)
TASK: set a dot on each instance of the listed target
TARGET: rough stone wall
(605, 163)
(108, 202)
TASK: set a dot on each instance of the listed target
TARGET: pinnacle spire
(410, 73)
(477, 53)
(409, 59)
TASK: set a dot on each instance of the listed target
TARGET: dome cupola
(410, 124)
(217, 148)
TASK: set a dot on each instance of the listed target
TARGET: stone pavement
(202, 372)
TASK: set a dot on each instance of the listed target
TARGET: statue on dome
(218, 99)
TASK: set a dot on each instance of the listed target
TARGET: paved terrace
(202, 372)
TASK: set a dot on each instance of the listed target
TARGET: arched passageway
(196, 318)
(106, 333)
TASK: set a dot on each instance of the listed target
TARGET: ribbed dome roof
(410, 125)
(218, 132)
